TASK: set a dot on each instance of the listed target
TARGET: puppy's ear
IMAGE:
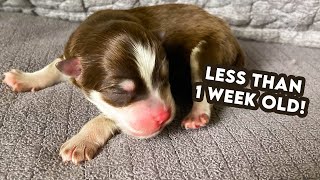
(70, 67)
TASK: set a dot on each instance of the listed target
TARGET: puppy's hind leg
(200, 113)
(211, 52)
(23, 81)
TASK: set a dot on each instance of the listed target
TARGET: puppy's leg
(213, 51)
(84, 145)
(23, 81)
(200, 112)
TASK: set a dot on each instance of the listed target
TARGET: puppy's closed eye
(120, 94)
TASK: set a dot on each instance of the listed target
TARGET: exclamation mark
(302, 106)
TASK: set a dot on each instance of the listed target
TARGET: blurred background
(283, 21)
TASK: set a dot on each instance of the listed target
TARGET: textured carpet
(239, 144)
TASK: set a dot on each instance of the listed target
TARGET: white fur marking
(195, 74)
(116, 114)
(146, 58)
(194, 62)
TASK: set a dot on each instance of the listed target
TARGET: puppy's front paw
(195, 120)
(20, 81)
(77, 149)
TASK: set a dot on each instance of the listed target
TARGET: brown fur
(105, 54)
(102, 43)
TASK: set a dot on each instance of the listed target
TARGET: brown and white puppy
(123, 61)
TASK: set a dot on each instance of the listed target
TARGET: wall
(285, 21)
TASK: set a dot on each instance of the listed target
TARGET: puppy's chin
(141, 135)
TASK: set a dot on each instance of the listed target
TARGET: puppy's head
(122, 69)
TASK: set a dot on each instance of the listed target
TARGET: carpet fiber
(238, 144)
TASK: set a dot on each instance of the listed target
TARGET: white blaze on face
(146, 59)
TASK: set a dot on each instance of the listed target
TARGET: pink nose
(162, 116)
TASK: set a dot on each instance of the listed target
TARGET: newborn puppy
(120, 60)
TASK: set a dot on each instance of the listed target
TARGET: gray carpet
(240, 144)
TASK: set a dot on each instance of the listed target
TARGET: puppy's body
(119, 59)
(182, 28)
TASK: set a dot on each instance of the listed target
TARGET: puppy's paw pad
(18, 81)
(195, 120)
(78, 149)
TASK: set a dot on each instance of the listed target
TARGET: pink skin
(195, 120)
(150, 116)
(70, 67)
(14, 80)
